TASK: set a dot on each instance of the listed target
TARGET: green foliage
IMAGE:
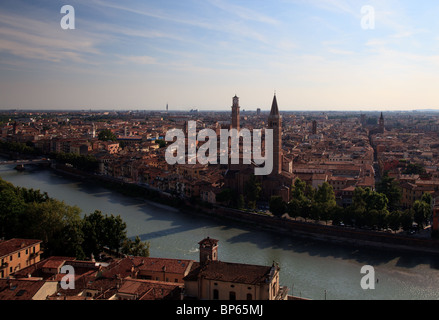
(135, 247)
(414, 168)
(390, 187)
(161, 143)
(18, 147)
(277, 206)
(28, 213)
(107, 135)
(81, 162)
(252, 191)
(421, 212)
(102, 231)
(225, 196)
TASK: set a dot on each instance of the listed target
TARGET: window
(249, 296)
(232, 296)
(215, 294)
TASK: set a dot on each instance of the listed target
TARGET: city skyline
(317, 55)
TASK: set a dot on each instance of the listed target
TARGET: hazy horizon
(140, 55)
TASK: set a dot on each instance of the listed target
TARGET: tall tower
(314, 127)
(235, 113)
(275, 123)
(208, 250)
(381, 123)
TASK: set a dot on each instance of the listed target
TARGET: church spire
(274, 108)
(275, 123)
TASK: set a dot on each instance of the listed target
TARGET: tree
(390, 187)
(421, 212)
(414, 168)
(103, 231)
(107, 135)
(92, 228)
(135, 248)
(407, 219)
(366, 201)
(225, 196)
(277, 206)
(11, 208)
(114, 232)
(252, 191)
(298, 189)
(57, 224)
(394, 220)
(302, 198)
(161, 143)
(325, 202)
(294, 208)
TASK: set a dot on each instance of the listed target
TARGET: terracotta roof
(22, 289)
(161, 264)
(230, 272)
(9, 246)
(151, 290)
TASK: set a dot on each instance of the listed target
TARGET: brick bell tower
(208, 250)
(235, 114)
(275, 123)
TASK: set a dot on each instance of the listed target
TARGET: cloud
(243, 12)
(34, 39)
(141, 60)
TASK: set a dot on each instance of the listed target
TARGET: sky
(141, 54)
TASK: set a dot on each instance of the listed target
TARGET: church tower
(235, 114)
(275, 123)
(208, 250)
(381, 123)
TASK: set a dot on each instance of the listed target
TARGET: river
(311, 269)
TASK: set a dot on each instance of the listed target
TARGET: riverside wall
(336, 234)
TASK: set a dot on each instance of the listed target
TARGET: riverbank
(307, 230)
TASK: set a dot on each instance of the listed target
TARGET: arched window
(249, 296)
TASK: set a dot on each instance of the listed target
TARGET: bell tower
(208, 250)
(381, 123)
(275, 123)
(235, 113)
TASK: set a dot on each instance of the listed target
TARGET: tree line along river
(311, 269)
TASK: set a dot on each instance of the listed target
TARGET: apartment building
(16, 254)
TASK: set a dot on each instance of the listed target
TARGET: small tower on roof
(208, 250)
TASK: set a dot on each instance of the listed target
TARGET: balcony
(4, 265)
(35, 254)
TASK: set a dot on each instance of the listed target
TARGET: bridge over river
(24, 162)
